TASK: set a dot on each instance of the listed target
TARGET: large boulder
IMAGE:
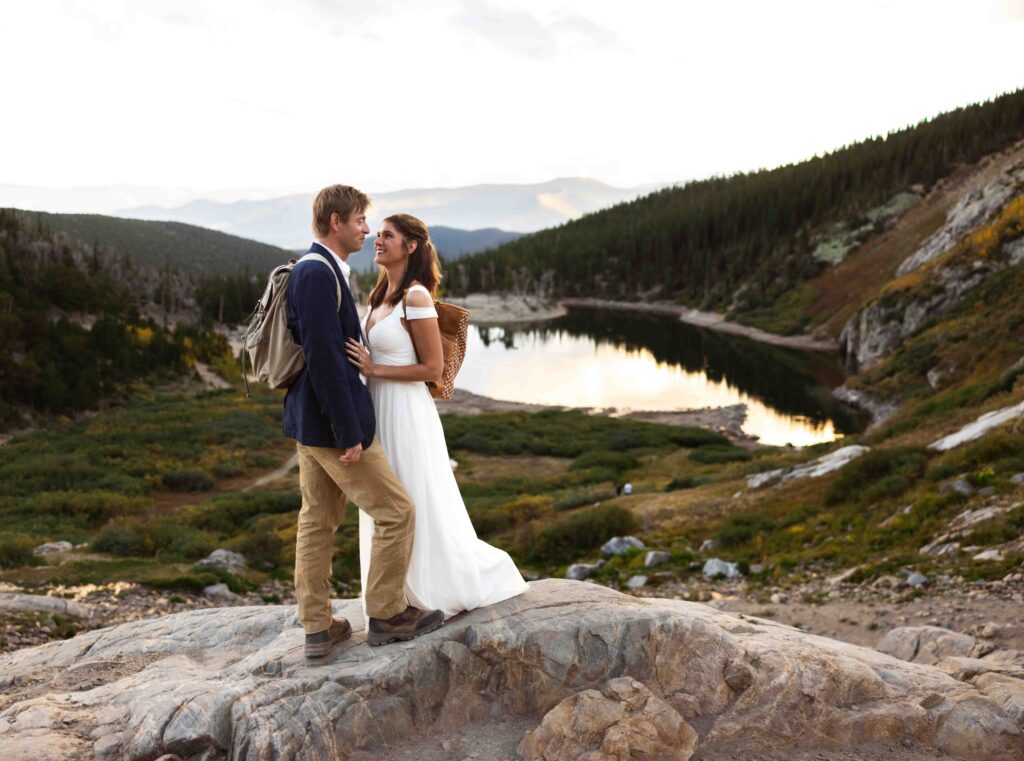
(233, 683)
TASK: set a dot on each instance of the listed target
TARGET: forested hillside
(173, 245)
(739, 243)
(73, 320)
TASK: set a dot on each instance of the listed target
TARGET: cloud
(1009, 10)
(588, 31)
(514, 31)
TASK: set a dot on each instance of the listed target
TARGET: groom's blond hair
(336, 199)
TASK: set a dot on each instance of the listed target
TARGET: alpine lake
(632, 362)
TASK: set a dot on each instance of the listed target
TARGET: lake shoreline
(725, 420)
(710, 321)
(487, 309)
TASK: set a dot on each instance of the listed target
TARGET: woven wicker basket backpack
(454, 324)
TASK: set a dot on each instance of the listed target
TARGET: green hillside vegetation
(160, 245)
(739, 244)
(50, 360)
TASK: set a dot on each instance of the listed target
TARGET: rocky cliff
(586, 672)
(945, 267)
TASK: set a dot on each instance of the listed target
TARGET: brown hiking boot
(318, 644)
(411, 622)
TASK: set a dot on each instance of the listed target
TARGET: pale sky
(389, 94)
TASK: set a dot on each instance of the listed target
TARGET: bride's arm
(426, 337)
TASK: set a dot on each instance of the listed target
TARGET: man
(329, 412)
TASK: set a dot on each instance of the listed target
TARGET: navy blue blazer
(327, 405)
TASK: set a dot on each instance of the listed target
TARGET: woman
(451, 569)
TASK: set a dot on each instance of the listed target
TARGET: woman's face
(391, 247)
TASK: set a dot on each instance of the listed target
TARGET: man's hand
(352, 454)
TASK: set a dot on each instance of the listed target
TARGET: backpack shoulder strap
(337, 282)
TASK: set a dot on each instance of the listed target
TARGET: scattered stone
(993, 554)
(636, 582)
(716, 568)
(656, 557)
(230, 561)
(960, 486)
(756, 568)
(916, 579)
(708, 545)
(16, 602)
(50, 547)
(624, 720)
(940, 549)
(620, 544)
(1017, 478)
(579, 571)
(220, 592)
(778, 598)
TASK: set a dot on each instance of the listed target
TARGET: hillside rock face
(597, 673)
(878, 330)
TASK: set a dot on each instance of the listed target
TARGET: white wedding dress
(451, 569)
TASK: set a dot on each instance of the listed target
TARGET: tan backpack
(453, 322)
(273, 355)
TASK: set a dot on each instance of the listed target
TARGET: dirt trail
(274, 475)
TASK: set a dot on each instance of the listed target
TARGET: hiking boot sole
(376, 640)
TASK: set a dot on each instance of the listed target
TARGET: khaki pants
(372, 484)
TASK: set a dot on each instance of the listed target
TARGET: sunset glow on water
(577, 371)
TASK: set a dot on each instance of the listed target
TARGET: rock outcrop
(822, 466)
(998, 673)
(878, 330)
(587, 667)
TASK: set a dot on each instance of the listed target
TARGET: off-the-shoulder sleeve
(419, 313)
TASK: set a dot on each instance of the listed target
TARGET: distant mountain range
(480, 214)
(108, 199)
(451, 243)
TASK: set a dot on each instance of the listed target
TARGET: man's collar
(342, 264)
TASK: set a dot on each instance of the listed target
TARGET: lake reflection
(594, 358)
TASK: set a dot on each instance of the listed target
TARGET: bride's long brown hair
(423, 264)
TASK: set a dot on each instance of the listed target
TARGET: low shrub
(16, 551)
(739, 529)
(123, 539)
(572, 534)
(261, 542)
(228, 513)
(877, 475)
(89, 509)
(187, 480)
(584, 495)
(716, 455)
(682, 482)
(616, 462)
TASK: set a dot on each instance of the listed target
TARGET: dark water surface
(593, 358)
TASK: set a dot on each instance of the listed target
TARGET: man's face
(351, 234)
